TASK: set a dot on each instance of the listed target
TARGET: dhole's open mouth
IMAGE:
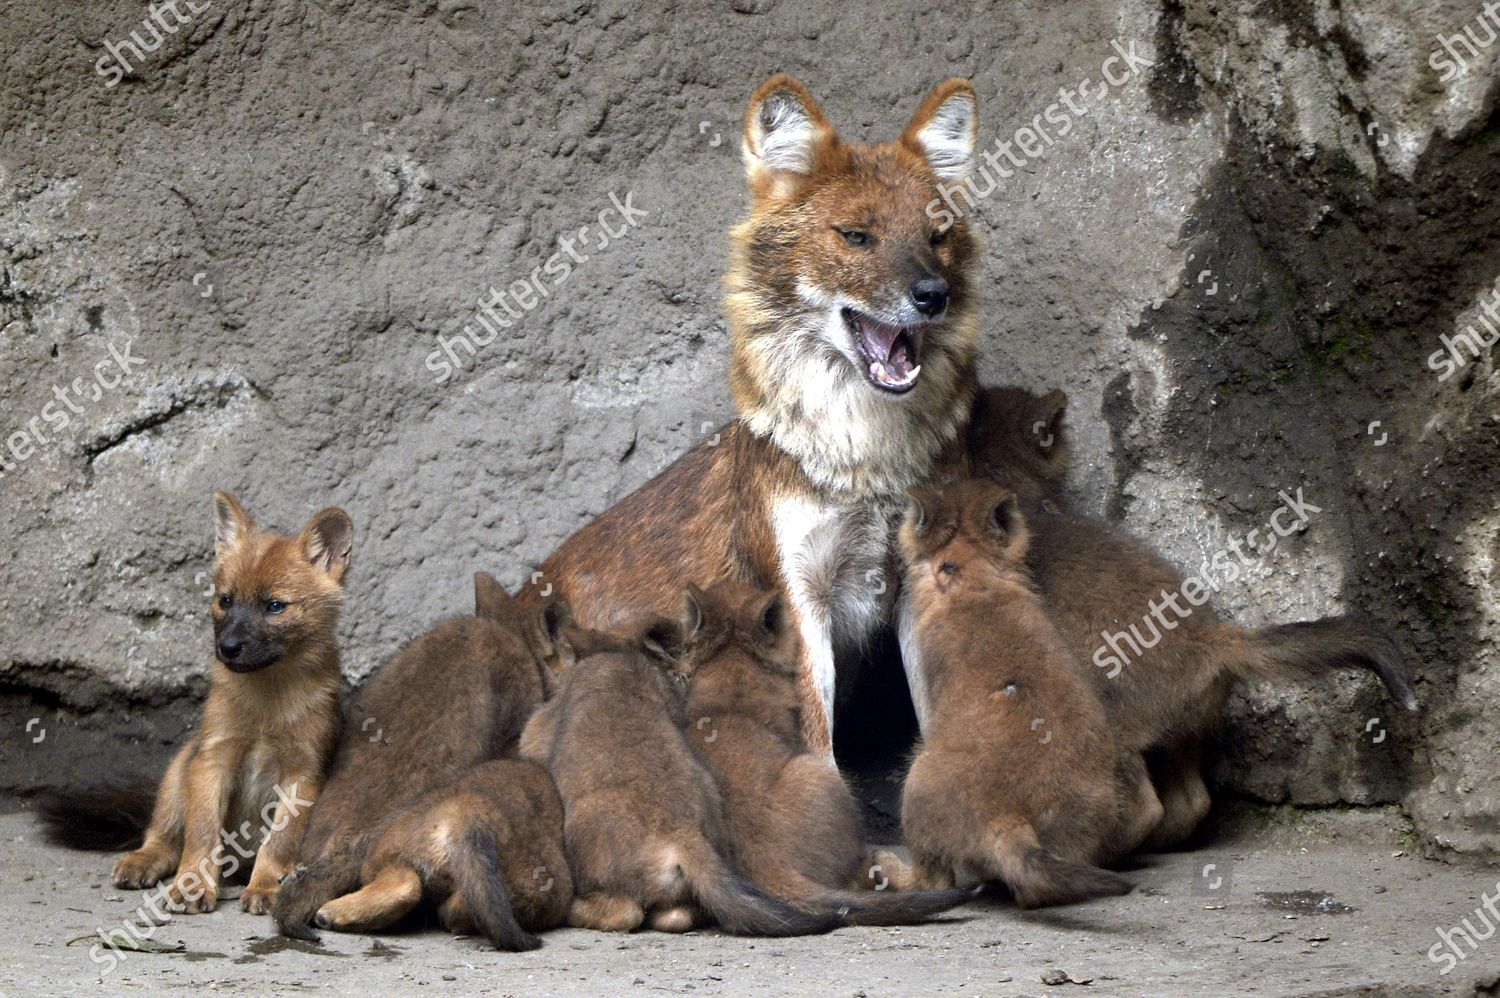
(890, 352)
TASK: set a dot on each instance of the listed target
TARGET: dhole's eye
(226, 601)
(939, 237)
(275, 606)
(856, 237)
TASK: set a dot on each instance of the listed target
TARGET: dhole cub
(271, 718)
(793, 824)
(1018, 778)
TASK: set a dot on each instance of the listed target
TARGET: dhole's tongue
(889, 350)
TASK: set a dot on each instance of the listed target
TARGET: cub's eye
(856, 237)
(939, 237)
(226, 601)
(275, 606)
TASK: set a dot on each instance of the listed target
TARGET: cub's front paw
(192, 895)
(146, 867)
(257, 900)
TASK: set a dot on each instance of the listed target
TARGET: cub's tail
(888, 907)
(1038, 878)
(313, 885)
(112, 818)
(1315, 646)
(477, 881)
(743, 909)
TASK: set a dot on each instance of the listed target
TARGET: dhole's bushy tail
(477, 881)
(887, 907)
(742, 909)
(1038, 878)
(1316, 646)
(112, 818)
(310, 887)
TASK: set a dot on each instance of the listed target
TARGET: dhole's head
(276, 596)
(971, 530)
(1019, 440)
(734, 629)
(847, 287)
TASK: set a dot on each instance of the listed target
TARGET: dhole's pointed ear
(327, 541)
(663, 640)
(1004, 520)
(491, 601)
(1045, 431)
(945, 129)
(231, 524)
(921, 506)
(549, 627)
(693, 599)
(783, 128)
(773, 617)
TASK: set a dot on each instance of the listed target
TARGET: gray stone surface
(1327, 906)
(1236, 262)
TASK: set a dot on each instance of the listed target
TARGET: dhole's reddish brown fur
(802, 492)
(1097, 578)
(487, 848)
(452, 698)
(646, 834)
(793, 824)
(269, 723)
(1018, 778)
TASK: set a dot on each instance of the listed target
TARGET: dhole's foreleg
(1141, 811)
(815, 678)
(209, 777)
(930, 872)
(274, 859)
(162, 849)
(384, 901)
(1178, 775)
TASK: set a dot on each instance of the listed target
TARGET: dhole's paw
(884, 870)
(257, 900)
(191, 895)
(143, 868)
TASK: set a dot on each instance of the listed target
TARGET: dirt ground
(1309, 904)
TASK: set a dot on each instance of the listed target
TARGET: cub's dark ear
(1045, 429)
(662, 639)
(693, 599)
(231, 524)
(921, 506)
(1006, 521)
(549, 629)
(327, 541)
(773, 617)
(491, 601)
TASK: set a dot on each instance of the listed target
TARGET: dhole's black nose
(930, 295)
(230, 648)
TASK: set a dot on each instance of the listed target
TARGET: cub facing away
(647, 839)
(452, 698)
(1018, 778)
(1098, 580)
(793, 824)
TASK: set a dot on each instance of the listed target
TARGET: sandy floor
(1328, 904)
